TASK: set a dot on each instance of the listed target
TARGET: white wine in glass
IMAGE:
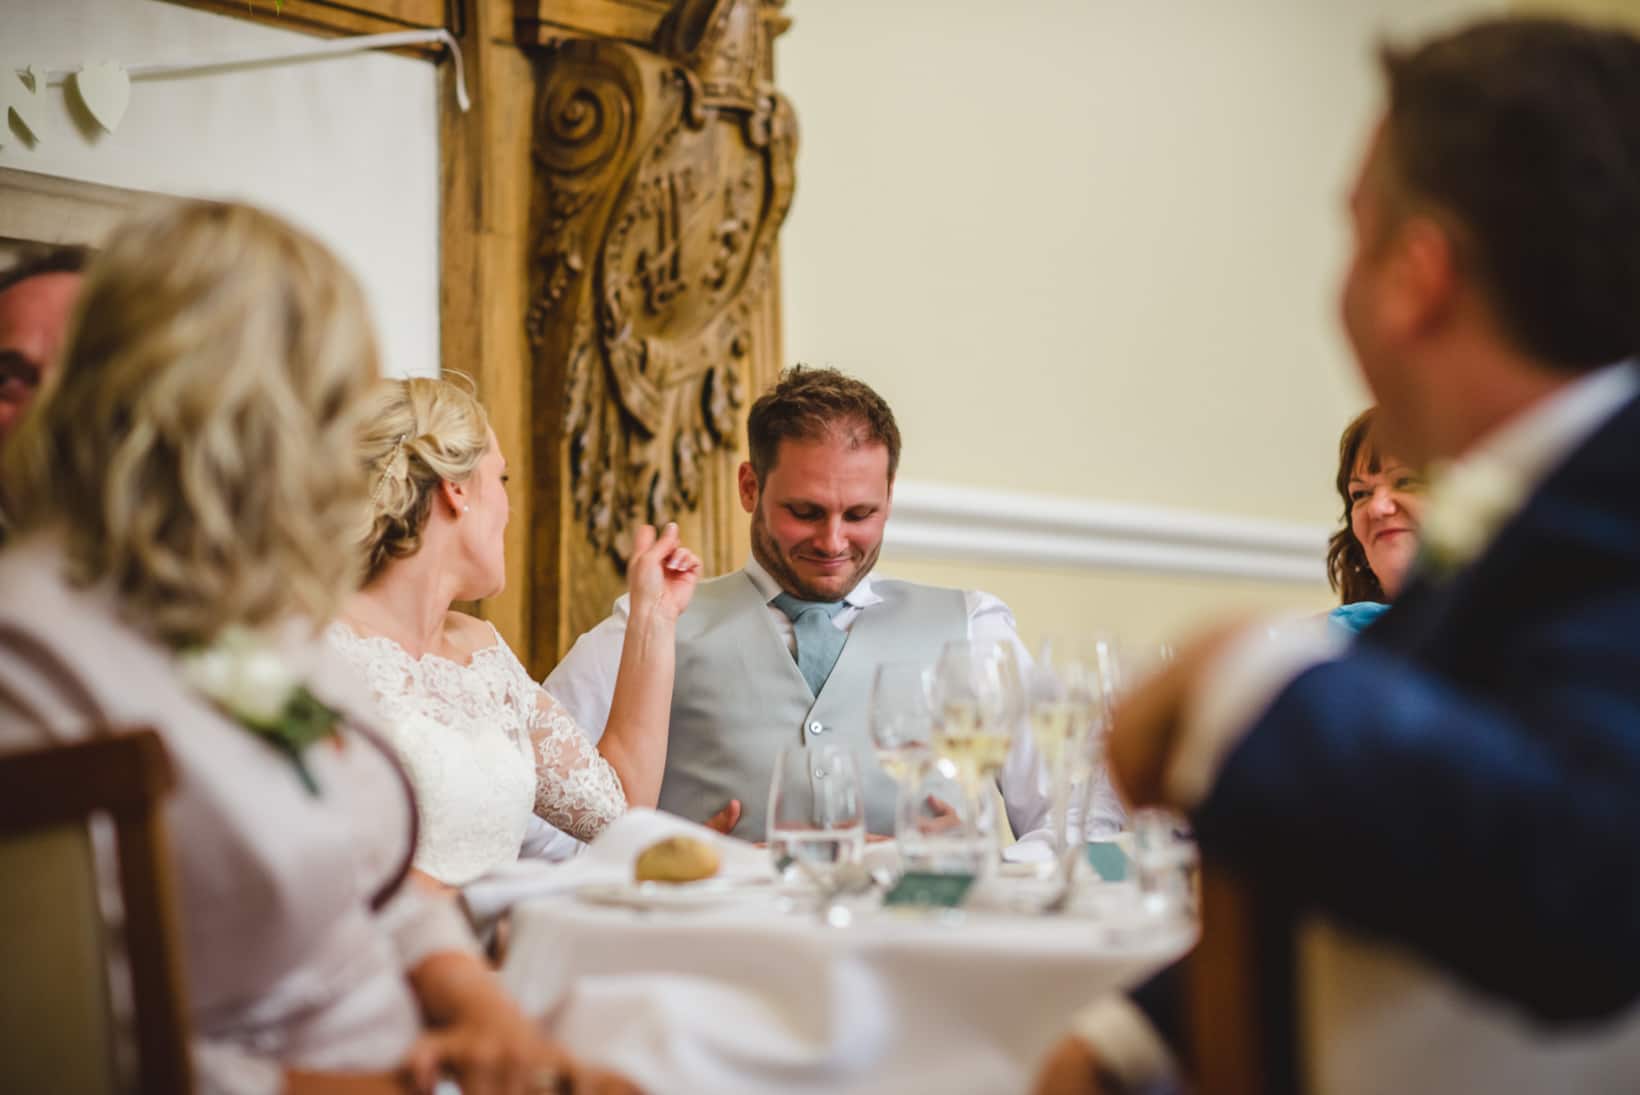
(979, 699)
(901, 722)
(903, 761)
(1053, 727)
(979, 753)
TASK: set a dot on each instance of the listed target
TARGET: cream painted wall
(346, 147)
(1142, 608)
(1088, 249)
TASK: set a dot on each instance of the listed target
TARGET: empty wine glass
(1065, 698)
(934, 825)
(817, 824)
(1165, 865)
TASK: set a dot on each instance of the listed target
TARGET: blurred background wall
(1088, 250)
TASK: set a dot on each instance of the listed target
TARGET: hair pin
(387, 467)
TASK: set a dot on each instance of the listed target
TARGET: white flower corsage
(248, 679)
(1468, 502)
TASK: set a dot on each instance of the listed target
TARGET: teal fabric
(1354, 617)
(819, 643)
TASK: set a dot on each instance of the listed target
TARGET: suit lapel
(1567, 536)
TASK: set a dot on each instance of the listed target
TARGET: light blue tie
(819, 642)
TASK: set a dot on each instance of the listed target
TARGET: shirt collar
(1470, 499)
(861, 596)
(1529, 446)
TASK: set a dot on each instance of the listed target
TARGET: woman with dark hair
(1369, 557)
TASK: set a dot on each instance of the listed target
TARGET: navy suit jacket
(1466, 780)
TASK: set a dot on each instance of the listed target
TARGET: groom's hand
(725, 820)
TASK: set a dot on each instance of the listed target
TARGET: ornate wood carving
(334, 17)
(662, 176)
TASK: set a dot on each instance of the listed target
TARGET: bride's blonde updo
(421, 432)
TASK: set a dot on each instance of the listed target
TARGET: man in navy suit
(1464, 782)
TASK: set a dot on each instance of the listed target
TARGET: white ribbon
(331, 48)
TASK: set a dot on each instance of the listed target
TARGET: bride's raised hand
(662, 573)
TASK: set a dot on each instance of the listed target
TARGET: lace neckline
(345, 631)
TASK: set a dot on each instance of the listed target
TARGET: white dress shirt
(584, 682)
(1244, 681)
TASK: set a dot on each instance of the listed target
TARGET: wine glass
(978, 696)
(933, 824)
(817, 821)
(1065, 699)
(978, 699)
(1165, 865)
(901, 721)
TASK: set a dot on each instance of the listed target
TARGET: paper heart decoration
(26, 96)
(105, 89)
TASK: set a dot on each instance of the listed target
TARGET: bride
(485, 745)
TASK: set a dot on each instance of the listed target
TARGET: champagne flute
(979, 699)
(1064, 699)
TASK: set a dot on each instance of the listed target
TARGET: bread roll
(676, 859)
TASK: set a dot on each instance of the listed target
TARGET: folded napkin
(607, 860)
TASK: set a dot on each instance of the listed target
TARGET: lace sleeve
(575, 787)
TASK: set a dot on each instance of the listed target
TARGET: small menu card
(1108, 860)
(929, 890)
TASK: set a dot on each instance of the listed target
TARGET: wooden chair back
(1239, 995)
(60, 1027)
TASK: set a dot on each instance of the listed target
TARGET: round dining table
(761, 992)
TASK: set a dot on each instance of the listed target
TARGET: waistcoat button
(816, 727)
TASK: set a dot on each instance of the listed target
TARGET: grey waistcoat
(739, 696)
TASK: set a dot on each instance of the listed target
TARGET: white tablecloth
(748, 997)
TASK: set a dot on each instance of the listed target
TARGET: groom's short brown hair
(810, 404)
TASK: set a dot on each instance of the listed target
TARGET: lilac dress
(296, 932)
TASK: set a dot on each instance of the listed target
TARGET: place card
(929, 890)
(1108, 860)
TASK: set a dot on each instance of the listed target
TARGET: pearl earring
(466, 509)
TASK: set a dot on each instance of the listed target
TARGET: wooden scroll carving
(662, 178)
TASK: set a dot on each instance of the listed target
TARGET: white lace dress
(485, 746)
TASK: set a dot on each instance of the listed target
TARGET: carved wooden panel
(662, 176)
(332, 17)
(544, 21)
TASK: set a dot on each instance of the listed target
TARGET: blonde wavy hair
(419, 433)
(196, 449)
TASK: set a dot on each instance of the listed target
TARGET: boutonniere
(248, 680)
(1467, 505)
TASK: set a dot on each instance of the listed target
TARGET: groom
(782, 652)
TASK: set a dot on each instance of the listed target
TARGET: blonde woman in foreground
(179, 498)
(485, 745)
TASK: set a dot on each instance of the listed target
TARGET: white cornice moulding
(978, 525)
